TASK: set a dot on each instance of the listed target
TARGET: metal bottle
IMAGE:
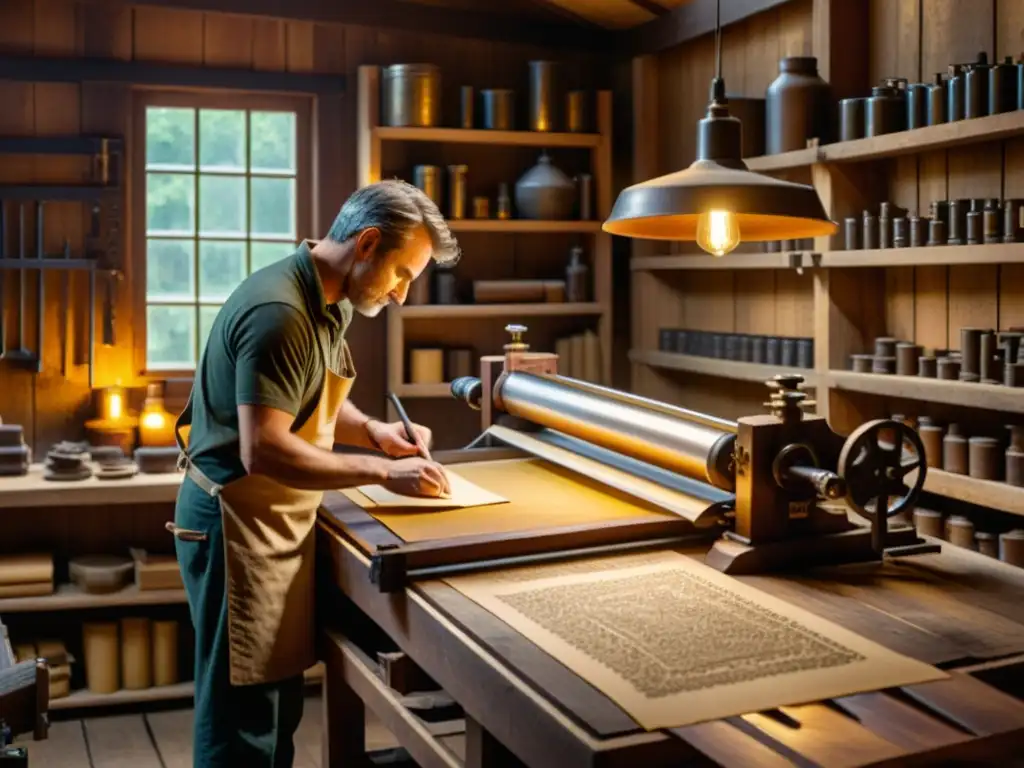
(886, 110)
(917, 105)
(976, 87)
(955, 94)
(937, 100)
(1002, 86)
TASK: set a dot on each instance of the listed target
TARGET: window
(221, 193)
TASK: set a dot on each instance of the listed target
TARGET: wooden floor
(163, 740)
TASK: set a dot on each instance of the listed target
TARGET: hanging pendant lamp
(716, 201)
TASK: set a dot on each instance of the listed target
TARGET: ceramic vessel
(545, 193)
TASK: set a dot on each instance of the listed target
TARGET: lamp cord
(718, 38)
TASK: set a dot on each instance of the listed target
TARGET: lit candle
(156, 425)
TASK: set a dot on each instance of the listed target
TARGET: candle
(156, 425)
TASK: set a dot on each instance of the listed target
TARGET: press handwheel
(874, 462)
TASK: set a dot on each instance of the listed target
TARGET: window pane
(170, 136)
(273, 141)
(170, 337)
(273, 207)
(222, 208)
(221, 269)
(170, 203)
(170, 270)
(206, 317)
(222, 139)
(263, 254)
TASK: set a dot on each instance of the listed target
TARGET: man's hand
(392, 439)
(417, 477)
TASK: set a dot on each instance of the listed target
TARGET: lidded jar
(798, 106)
(545, 193)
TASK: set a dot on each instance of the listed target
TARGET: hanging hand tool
(21, 354)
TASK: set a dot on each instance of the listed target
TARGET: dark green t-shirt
(268, 346)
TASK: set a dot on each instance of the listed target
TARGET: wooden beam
(396, 14)
(687, 22)
(651, 6)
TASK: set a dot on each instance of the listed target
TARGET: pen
(408, 426)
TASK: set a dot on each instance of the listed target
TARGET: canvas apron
(270, 550)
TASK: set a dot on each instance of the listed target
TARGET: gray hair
(395, 208)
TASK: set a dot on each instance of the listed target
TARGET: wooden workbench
(957, 610)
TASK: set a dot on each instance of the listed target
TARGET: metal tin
(955, 94)
(851, 119)
(732, 347)
(1011, 221)
(976, 87)
(504, 202)
(957, 221)
(991, 224)
(928, 522)
(926, 367)
(883, 365)
(1010, 341)
(412, 95)
(577, 116)
(989, 366)
(805, 353)
(936, 232)
(861, 363)
(870, 231)
(917, 105)
(718, 345)
(974, 227)
(1011, 547)
(907, 355)
(797, 107)
(667, 340)
(481, 207)
(757, 349)
(428, 179)
(543, 107)
(984, 461)
(954, 451)
(960, 531)
(936, 100)
(466, 106)
(585, 185)
(771, 351)
(788, 353)
(885, 225)
(851, 228)
(457, 191)
(499, 109)
(939, 209)
(948, 368)
(987, 543)
(918, 230)
(885, 346)
(885, 111)
(970, 353)
(1002, 87)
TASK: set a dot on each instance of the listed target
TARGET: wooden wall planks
(51, 407)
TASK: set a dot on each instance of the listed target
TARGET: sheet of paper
(464, 494)
(674, 642)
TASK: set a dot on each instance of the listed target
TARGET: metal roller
(689, 443)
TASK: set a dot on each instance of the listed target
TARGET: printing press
(776, 503)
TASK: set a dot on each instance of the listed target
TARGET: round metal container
(428, 179)
(499, 109)
(798, 106)
(542, 96)
(851, 119)
(412, 95)
(577, 117)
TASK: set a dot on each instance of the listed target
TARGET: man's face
(377, 280)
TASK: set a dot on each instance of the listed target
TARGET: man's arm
(350, 428)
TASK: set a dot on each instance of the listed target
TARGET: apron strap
(184, 463)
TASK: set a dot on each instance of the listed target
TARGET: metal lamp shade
(668, 207)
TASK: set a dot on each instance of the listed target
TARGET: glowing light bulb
(718, 232)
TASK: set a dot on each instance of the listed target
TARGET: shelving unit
(845, 299)
(68, 597)
(388, 151)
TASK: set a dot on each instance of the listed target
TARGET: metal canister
(428, 179)
(885, 225)
(976, 87)
(885, 111)
(974, 227)
(1002, 86)
(585, 186)
(955, 93)
(851, 228)
(917, 105)
(937, 100)
(457, 191)
(504, 202)
(412, 95)
(466, 106)
(577, 116)
(499, 109)
(542, 96)
(957, 221)
(481, 207)
(869, 236)
(851, 119)
(918, 230)
(1011, 221)
(992, 222)
(936, 232)
(900, 236)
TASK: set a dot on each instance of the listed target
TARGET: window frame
(302, 106)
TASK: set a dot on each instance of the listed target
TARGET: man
(268, 403)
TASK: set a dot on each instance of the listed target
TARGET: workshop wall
(52, 404)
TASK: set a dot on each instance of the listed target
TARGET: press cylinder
(984, 459)
(931, 437)
(686, 442)
(960, 531)
(954, 451)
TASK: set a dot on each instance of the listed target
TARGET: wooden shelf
(84, 698)
(940, 255)
(509, 311)
(477, 136)
(523, 226)
(985, 493)
(989, 396)
(32, 490)
(705, 261)
(68, 597)
(957, 134)
(425, 390)
(726, 369)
